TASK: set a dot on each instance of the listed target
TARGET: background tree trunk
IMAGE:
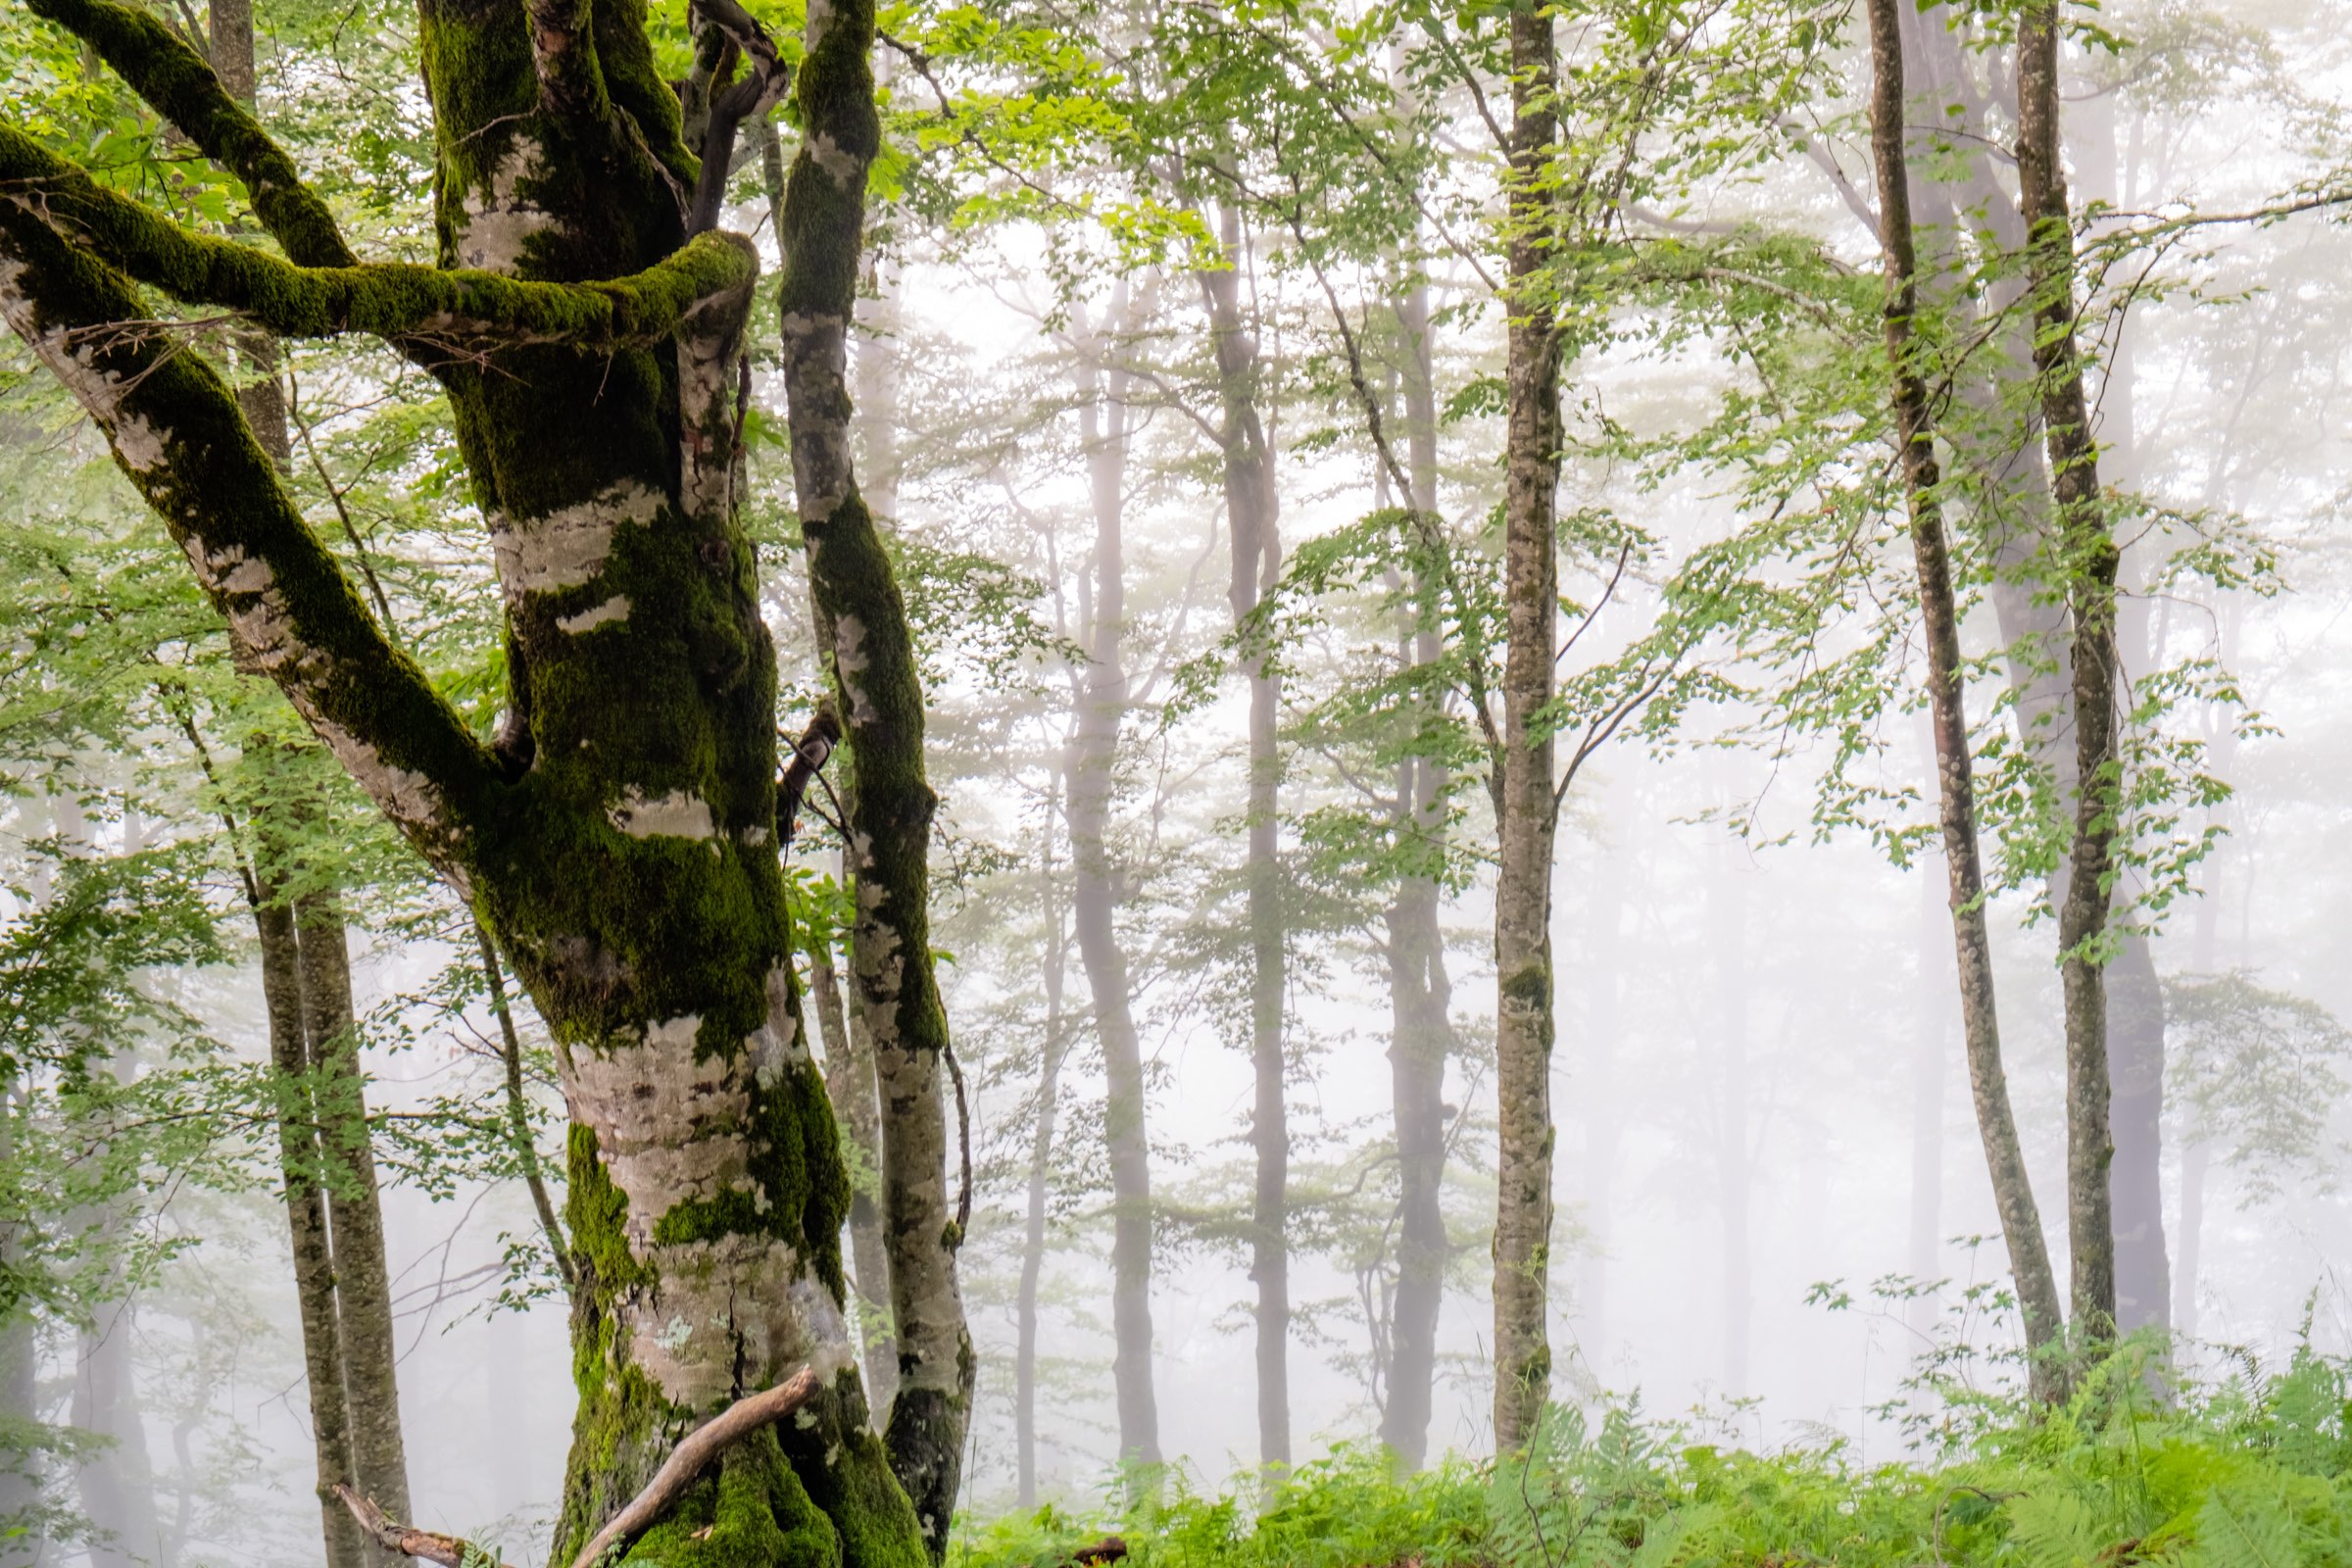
(1524, 801)
(1043, 1126)
(1420, 991)
(1092, 770)
(1915, 434)
(850, 1085)
(1256, 567)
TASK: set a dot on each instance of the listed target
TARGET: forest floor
(2253, 1471)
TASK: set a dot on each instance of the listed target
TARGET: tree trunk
(2196, 1159)
(618, 837)
(1420, 991)
(890, 801)
(1523, 802)
(850, 1085)
(301, 1166)
(1041, 1156)
(118, 1481)
(1093, 758)
(1251, 511)
(2090, 554)
(356, 1218)
(2004, 1156)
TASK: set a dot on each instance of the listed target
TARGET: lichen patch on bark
(499, 220)
(611, 610)
(568, 547)
(678, 814)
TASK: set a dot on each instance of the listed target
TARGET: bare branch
(697, 1449)
(766, 79)
(409, 1541)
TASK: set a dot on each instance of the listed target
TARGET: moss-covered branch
(178, 434)
(393, 301)
(179, 85)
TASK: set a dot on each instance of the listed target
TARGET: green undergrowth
(2248, 1472)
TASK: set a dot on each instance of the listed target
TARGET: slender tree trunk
(2004, 1156)
(2197, 1159)
(363, 1280)
(118, 1481)
(1095, 897)
(302, 1167)
(1041, 1157)
(519, 1109)
(1523, 802)
(1420, 991)
(850, 1085)
(1251, 511)
(2089, 557)
(890, 801)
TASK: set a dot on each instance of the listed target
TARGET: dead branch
(809, 753)
(409, 1541)
(698, 1449)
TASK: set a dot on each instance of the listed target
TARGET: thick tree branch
(409, 1541)
(400, 303)
(695, 1452)
(766, 80)
(178, 432)
(179, 85)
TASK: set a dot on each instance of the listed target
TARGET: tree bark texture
(2005, 456)
(1095, 896)
(117, 1481)
(1420, 991)
(1524, 798)
(1906, 355)
(620, 837)
(1043, 1126)
(2089, 559)
(1250, 513)
(890, 801)
(355, 1211)
(300, 1168)
(850, 1085)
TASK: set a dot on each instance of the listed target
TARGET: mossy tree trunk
(872, 656)
(1526, 807)
(619, 834)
